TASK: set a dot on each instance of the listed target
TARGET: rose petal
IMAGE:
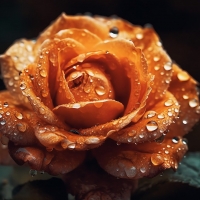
(141, 160)
(79, 35)
(154, 124)
(15, 123)
(66, 22)
(184, 88)
(5, 158)
(88, 114)
(159, 63)
(54, 163)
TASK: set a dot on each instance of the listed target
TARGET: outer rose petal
(184, 88)
(55, 163)
(89, 113)
(159, 63)
(79, 22)
(154, 123)
(140, 160)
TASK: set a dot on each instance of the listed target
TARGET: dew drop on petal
(3, 122)
(76, 105)
(41, 111)
(22, 86)
(71, 146)
(183, 76)
(33, 172)
(44, 93)
(184, 121)
(43, 73)
(185, 96)
(175, 140)
(157, 159)
(114, 31)
(193, 103)
(100, 90)
(169, 102)
(198, 110)
(168, 66)
(139, 36)
(130, 172)
(150, 114)
(18, 115)
(185, 141)
(21, 127)
(161, 116)
(143, 169)
(151, 126)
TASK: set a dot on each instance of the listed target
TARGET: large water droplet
(151, 126)
(161, 116)
(18, 115)
(183, 76)
(193, 103)
(71, 146)
(114, 31)
(175, 140)
(150, 114)
(157, 159)
(43, 73)
(22, 86)
(168, 66)
(100, 90)
(169, 102)
(21, 127)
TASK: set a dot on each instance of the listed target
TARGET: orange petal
(184, 88)
(88, 114)
(132, 60)
(15, 123)
(54, 163)
(154, 124)
(15, 59)
(141, 160)
(43, 112)
(79, 22)
(82, 36)
(54, 138)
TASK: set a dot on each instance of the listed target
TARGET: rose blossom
(97, 85)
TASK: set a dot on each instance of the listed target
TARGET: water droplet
(139, 36)
(3, 122)
(150, 114)
(44, 93)
(175, 140)
(168, 66)
(41, 111)
(193, 103)
(156, 58)
(169, 102)
(166, 152)
(33, 172)
(185, 122)
(76, 105)
(114, 31)
(157, 159)
(7, 113)
(156, 68)
(170, 114)
(21, 127)
(183, 76)
(18, 115)
(71, 146)
(130, 140)
(22, 86)
(43, 73)
(143, 169)
(132, 133)
(198, 110)
(185, 141)
(141, 136)
(161, 116)
(151, 126)
(100, 90)
(130, 172)
(92, 140)
(185, 97)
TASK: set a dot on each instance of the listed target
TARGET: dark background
(176, 21)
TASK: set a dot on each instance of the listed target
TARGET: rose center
(89, 83)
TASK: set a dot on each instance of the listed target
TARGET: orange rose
(96, 84)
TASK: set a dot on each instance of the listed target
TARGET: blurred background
(176, 21)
